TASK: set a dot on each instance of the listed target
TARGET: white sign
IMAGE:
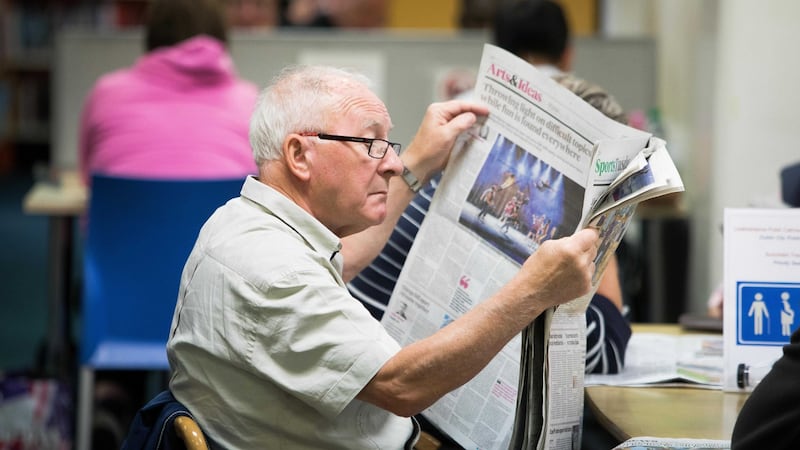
(762, 290)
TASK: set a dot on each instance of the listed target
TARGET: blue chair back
(140, 233)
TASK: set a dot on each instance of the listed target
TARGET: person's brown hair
(171, 21)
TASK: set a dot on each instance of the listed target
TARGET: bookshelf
(27, 32)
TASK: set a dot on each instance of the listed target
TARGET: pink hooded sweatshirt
(178, 112)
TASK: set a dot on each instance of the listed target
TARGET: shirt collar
(318, 237)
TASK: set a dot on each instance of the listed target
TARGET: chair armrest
(190, 433)
(427, 442)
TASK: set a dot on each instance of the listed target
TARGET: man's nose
(391, 163)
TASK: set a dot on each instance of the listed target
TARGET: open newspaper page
(524, 176)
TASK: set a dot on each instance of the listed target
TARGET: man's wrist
(411, 180)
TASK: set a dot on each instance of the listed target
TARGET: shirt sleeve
(607, 336)
(316, 341)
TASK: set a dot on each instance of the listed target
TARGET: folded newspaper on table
(657, 359)
(659, 443)
(543, 165)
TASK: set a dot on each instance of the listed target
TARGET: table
(665, 411)
(62, 199)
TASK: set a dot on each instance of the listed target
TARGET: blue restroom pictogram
(767, 313)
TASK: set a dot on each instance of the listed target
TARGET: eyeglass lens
(379, 147)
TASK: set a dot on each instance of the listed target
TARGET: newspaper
(543, 165)
(686, 360)
(658, 443)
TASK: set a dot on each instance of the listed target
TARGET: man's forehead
(363, 108)
(372, 124)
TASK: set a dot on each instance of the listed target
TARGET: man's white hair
(300, 98)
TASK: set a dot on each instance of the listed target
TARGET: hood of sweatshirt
(201, 60)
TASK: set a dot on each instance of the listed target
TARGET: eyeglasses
(376, 148)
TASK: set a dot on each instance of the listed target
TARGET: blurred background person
(253, 14)
(538, 32)
(361, 14)
(181, 112)
(477, 14)
(301, 13)
(769, 416)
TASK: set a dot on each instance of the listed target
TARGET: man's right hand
(560, 270)
(430, 149)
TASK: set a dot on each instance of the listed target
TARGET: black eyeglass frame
(370, 141)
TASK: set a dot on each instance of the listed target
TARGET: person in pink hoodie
(180, 111)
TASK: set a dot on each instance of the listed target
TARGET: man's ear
(296, 154)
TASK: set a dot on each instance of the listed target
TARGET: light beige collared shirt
(267, 347)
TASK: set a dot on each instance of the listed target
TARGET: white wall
(685, 33)
(756, 109)
(405, 68)
(727, 76)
